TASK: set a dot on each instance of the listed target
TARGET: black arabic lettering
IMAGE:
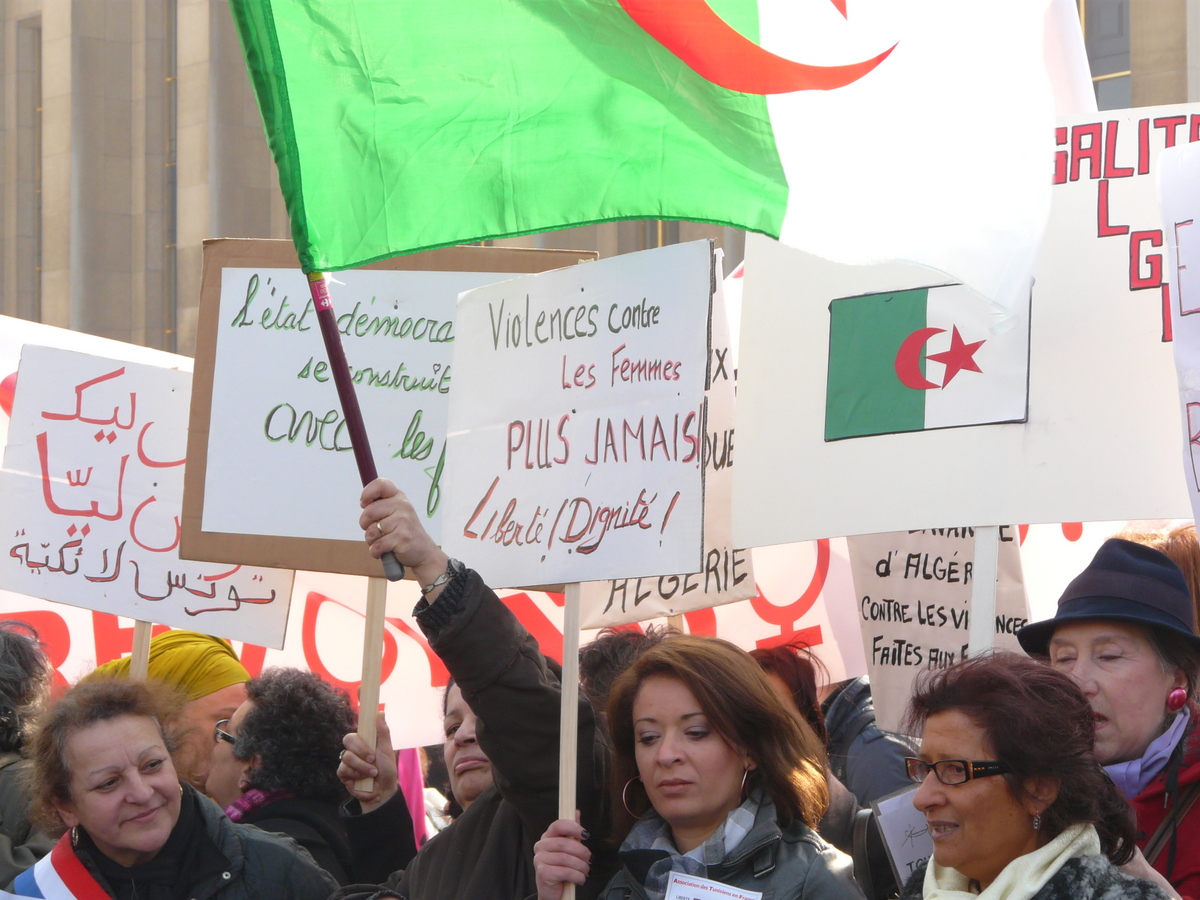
(237, 602)
(101, 578)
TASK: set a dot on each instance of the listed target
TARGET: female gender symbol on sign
(787, 616)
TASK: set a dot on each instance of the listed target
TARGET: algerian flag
(920, 359)
(861, 130)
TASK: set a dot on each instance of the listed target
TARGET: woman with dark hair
(792, 670)
(1124, 631)
(501, 729)
(275, 762)
(1017, 806)
(102, 771)
(24, 688)
(712, 777)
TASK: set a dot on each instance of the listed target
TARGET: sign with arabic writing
(272, 479)
(577, 424)
(93, 486)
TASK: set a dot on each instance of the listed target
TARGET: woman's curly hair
(295, 727)
(87, 704)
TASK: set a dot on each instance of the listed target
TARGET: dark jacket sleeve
(21, 845)
(515, 692)
(381, 840)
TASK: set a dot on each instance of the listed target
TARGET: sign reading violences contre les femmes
(577, 420)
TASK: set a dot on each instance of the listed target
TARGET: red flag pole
(319, 289)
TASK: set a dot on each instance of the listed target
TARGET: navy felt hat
(1124, 582)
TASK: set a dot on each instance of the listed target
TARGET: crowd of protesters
(1072, 773)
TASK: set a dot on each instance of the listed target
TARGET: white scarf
(1021, 878)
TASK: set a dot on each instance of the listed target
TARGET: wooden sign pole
(982, 630)
(676, 622)
(568, 745)
(372, 662)
(139, 660)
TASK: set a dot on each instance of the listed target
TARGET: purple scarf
(1132, 777)
(252, 800)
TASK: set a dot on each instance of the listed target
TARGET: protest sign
(727, 573)
(913, 592)
(93, 485)
(1098, 296)
(1179, 203)
(905, 832)
(805, 594)
(577, 429)
(272, 479)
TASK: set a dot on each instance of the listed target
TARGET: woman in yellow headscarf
(208, 672)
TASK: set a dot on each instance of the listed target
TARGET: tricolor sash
(60, 875)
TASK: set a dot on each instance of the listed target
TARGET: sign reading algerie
(577, 421)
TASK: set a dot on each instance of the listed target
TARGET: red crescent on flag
(705, 42)
(908, 359)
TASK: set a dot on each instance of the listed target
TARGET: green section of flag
(402, 125)
(863, 393)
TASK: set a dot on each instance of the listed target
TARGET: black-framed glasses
(220, 734)
(953, 771)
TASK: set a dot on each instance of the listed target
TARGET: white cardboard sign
(1098, 297)
(1179, 202)
(93, 489)
(276, 419)
(905, 832)
(913, 593)
(727, 573)
(577, 420)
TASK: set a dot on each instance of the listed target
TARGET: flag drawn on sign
(921, 359)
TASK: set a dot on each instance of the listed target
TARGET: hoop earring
(1037, 822)
(742, 792)
(625, 802)
(1176, 700)
(74, 835)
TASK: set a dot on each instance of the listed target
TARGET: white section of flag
(939, 156)
(996, 393)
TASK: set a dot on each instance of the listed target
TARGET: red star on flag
(961, 355)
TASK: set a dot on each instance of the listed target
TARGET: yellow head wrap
(197, 664)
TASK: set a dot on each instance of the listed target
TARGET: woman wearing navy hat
(1125, 631)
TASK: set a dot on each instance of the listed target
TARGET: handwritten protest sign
(913, 591)
(727, 573)
(93, 484)
(905, 832)
(1179, 202)
(273, 479)
(1098, 295)
(576, 429)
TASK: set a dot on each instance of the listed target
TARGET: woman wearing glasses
(1017, 806)
(712, 777)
